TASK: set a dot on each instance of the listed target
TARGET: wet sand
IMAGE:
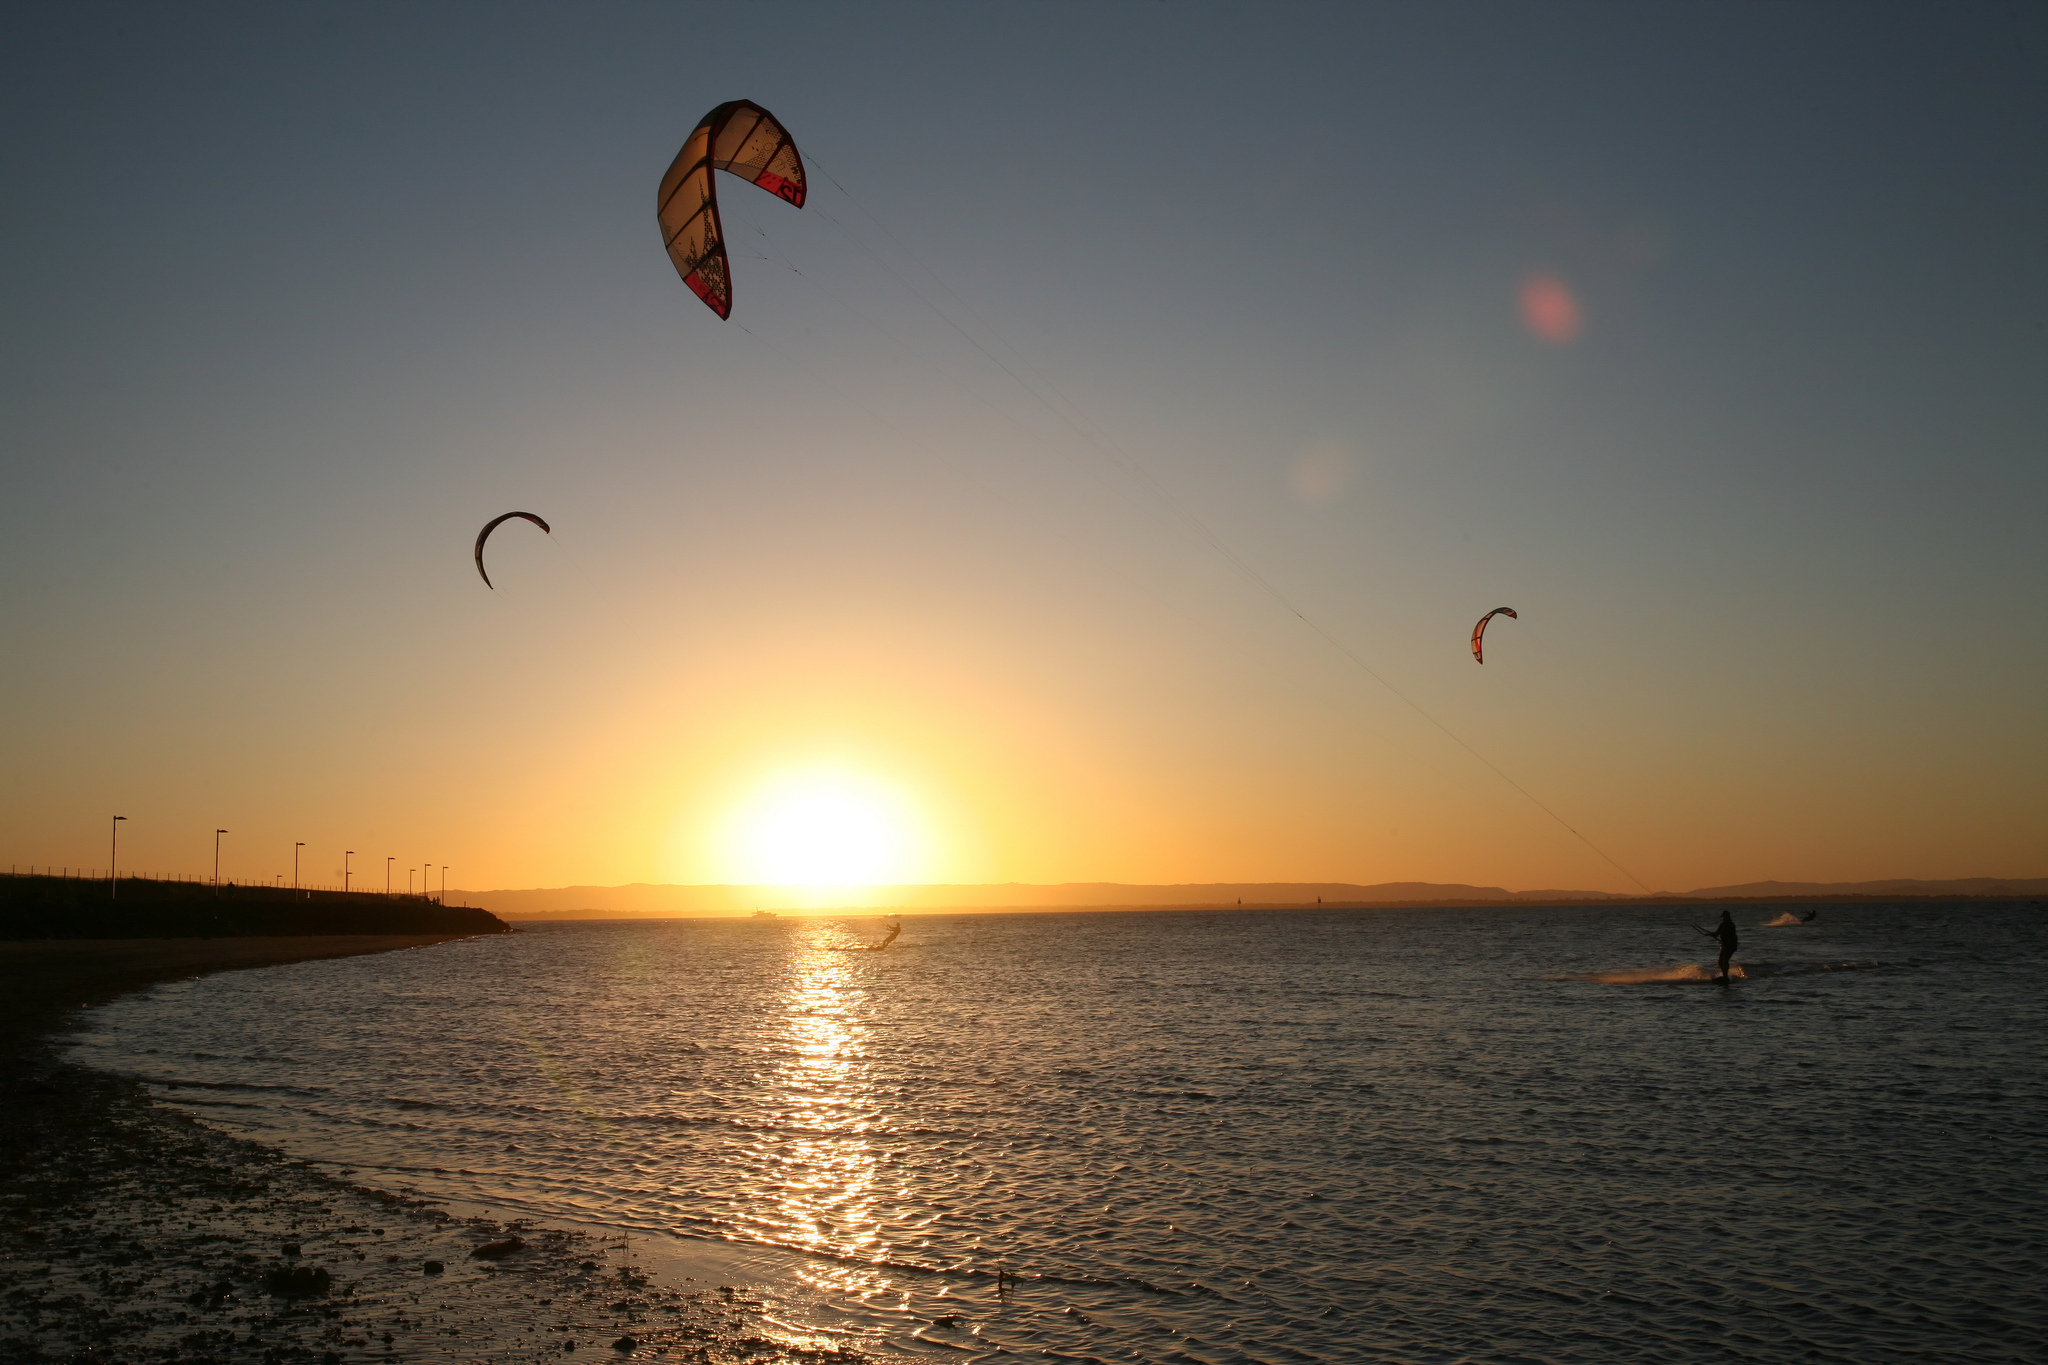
(131, 1234)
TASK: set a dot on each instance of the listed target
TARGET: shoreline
(132, 1233)
(43, 980)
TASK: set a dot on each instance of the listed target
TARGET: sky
(1098, 478)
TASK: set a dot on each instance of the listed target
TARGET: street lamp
(295, 863)
(114, 860)
(344, 869)
(387, 872)
(444, 883)
(216, 860)
(408, 879)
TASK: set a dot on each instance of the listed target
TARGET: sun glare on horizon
(825, 828)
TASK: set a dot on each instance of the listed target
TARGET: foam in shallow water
(1694, 973)
(1650, 976)
(1411, 1135)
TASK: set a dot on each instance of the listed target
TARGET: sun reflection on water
(820, 1162)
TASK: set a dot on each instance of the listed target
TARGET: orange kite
(738, 136)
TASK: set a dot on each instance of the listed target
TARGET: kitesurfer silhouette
(1724, 931)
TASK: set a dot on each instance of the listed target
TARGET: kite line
(765, 162)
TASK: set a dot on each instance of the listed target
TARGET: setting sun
(908, 762)
(825, 828)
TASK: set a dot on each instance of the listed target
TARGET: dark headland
(42, 907)
(129, 1233)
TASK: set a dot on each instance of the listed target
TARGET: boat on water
(763, 914)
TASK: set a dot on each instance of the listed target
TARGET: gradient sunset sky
(1711, 338)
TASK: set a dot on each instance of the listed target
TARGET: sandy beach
(131, 1234)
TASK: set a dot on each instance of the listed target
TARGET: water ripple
(1402, 1136)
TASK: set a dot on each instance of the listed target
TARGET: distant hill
(642, 898)
(1901, 886)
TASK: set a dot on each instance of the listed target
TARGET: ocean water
(1488, 1135)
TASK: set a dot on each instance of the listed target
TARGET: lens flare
(1549, 308)
(1319, 473)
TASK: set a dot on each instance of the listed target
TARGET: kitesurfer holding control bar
(1724, 931)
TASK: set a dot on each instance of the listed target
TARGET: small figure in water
(894, 929)
(1724, 931)
(1807, 918)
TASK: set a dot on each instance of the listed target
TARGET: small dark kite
(485, 534)
(1479, 631)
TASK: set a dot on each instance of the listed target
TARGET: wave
(182, 1084)
(1764, 969)
(1649, 976)
(1693, 972)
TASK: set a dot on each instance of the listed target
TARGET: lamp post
(216, 860)
(444, 883)
(114, 860)
(295, 863)
(408, 879)
(387, 873)
(344, 869)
